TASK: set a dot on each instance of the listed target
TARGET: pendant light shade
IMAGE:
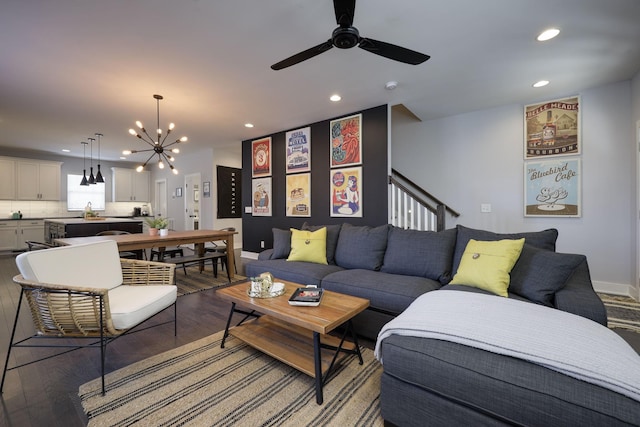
(84, 164)
(99, 177)
(92, 179)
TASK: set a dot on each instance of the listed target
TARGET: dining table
(141, 241)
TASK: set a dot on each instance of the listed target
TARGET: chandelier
(158, 145)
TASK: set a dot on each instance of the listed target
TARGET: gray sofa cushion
(439, 380)
(539, 274)
(333, 233)
(281, 243)
(545, 239)
(305, 273)
(361, 246)
(389, 292)
(420, 253)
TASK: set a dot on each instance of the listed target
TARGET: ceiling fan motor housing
(345, 37)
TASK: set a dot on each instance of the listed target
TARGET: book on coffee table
(309, 296)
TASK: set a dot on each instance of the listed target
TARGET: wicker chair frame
(60, 312)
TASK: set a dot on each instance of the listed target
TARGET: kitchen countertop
(90, 221)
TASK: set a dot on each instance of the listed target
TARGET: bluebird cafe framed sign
(552, 187)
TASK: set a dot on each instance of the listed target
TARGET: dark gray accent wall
(374, 180)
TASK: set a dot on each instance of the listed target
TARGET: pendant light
(92, 179)
(99, 177)
(84, 164)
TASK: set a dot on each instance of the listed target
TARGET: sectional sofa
(392, 267)
(430, 378)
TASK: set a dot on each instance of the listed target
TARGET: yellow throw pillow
(309, 246)
(486, 265)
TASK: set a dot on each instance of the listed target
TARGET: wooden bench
(193, 259)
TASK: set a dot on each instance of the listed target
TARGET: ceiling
(70, 68)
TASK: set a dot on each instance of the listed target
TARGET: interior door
(160, 205)
(192, 195)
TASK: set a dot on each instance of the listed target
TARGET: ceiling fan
(347, 36)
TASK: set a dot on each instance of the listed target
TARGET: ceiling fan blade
(345, 9)
(303, 56)
(391, 51)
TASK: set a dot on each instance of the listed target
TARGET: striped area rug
(200, 384)
(195, 281)
(622, 312)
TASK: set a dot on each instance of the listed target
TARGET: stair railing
(414, 208)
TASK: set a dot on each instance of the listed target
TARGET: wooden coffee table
(296, 335)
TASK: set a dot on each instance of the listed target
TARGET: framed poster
(552, 128)
(261, 190)
(299, 195)
(261, 157)
(346, 141)
(552, 188)
(346, 192)
(298, 146)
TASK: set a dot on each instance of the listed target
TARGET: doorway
(192, 201)
(160, 205)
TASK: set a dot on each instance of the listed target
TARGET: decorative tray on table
(275, 290)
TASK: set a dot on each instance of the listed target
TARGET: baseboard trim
(249, 255)
(616, 289)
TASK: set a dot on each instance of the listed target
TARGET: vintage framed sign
(552, 187)
(261, 157)
(552, 128)
(299, 195)
(346, 141)
(261, 190)
(346, 192)
(298, 146)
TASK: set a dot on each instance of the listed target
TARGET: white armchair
(87, 291)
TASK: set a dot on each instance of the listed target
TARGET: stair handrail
(422, 193)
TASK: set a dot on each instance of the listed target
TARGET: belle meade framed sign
(552, 128)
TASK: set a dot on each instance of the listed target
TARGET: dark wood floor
(45, 393)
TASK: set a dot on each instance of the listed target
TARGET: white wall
(475, 158)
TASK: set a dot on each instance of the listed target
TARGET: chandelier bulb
(140, 168)
(171, 126)
(160, 164)
(184, 139)
(139, 124)
(127, 152)
(133, 132)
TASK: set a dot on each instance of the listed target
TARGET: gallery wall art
(552, 187)
(298, 150)
(261, 157)
(346, 192)
(346, 141)
(552, 128)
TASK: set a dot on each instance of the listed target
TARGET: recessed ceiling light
(66, 150)
(335, 98)
(548, 34)
(541, 83)
(248, 125)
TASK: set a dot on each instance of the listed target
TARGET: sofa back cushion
(361, 246)
(420, 253)
(545, 239)
(93, 265)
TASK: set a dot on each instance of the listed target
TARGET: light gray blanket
(563, 342)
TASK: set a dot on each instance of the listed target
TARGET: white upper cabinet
(131, 186)
(37, 180)
(7, 179)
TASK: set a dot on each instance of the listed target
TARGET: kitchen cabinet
(7, 179)
(37, 180)
(131, 186)
(29, 229)
(8, 235)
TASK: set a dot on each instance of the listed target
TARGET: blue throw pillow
(281, 243)
(420, 253)
(539, 274)
(361, 246)
(545, 239)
